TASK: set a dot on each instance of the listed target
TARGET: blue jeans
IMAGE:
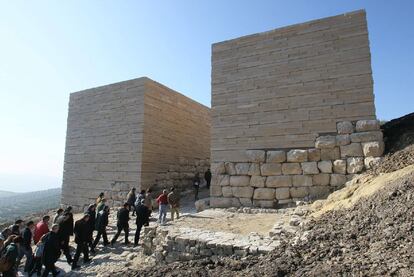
(163, 213)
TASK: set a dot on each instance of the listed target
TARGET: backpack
(139, 200)
(5, 263)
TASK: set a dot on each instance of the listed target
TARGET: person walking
(140, 197)
(58, 213)
(37, 257)
(26, 245)
(196, 185)
(91, 224)
(122, 224)
(141, 220)
(51, 251)
(101, 205)
(82, 232)
(100, 198)
(148, 200)
(101, 223)
(42, 228)
(174, 201)
(65, 232)
(162, 201)
(11, 254)
(131, 198)
(207, 177)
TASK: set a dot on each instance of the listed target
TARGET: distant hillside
(19, 205)
(4, 193)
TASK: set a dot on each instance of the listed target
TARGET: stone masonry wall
(124, 135)
(293, 112)
(275, 177)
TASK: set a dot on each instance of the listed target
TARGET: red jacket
(162, 199)
(41, 229)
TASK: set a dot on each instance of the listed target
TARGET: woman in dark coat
(51, 251)
(65, 231)
(101, 223)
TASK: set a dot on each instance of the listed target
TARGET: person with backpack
(65, 232)
(131, 198)
(142, 220)
(174, 201)
(100, 226)
(91, 223)
(82, 232)
(140, 197)
(10, 257)
(26, 245)
(122, 224)
(51, 251)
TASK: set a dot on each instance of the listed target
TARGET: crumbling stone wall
(288, 110)
(123, 135)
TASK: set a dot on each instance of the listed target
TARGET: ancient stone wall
(123, 135)
(276, 97)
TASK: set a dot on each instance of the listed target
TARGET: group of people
(17, 240)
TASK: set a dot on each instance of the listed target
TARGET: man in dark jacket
(122, 223)
(143, 214)
(65, 232)
(81, 239)
(26, 245)
(12, 254)
(101, 223)
(91, 223)
(51, 251)
(207, 177)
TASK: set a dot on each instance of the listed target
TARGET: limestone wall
(279, 100)
(125, 134)
(176, 137)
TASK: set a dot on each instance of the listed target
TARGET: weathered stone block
(373, 149)
(370, 162)
(301, 181)
(242, 192)
(339, 166)
(268, 204)
(276, 156)
(215, 191)
(367, 136)
(297, 156)
(355, 165)
(220, 180)
(227, 191)
(325, 166)
(269, 169)
(254, 169)
(318, 192)
(321, 179)
(338, 180)
(310, 168)
(351, 150)
(239, 181)
(330, 154)
(291, 168)
(282, 193)
(242, 168)
(324, 142)
(223, 202)
(367, 125)
(278, 181)
(264, 194)
(257, 181)
(344, 127)
(256, 156)
(230, 168)
(343, 140)
(299, 192)
(246, 202)
(218, 168)
(314, 155)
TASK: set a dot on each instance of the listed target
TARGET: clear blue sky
(51, 48)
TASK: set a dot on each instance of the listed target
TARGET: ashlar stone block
(264, 194)
(297, 156)
(351, 150)
(310, 168)
(314, 155)
(344, 127)
(242, 192)
(325, 166)
(367, 125)
(302, 181)
(278, 181)
(239, 181)
(339, 166)
(256, 156)
(324, 142)
(258, 181)
(291, 168)
(276, 156)
(269, 169)
(373, 149)
(355, 165)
